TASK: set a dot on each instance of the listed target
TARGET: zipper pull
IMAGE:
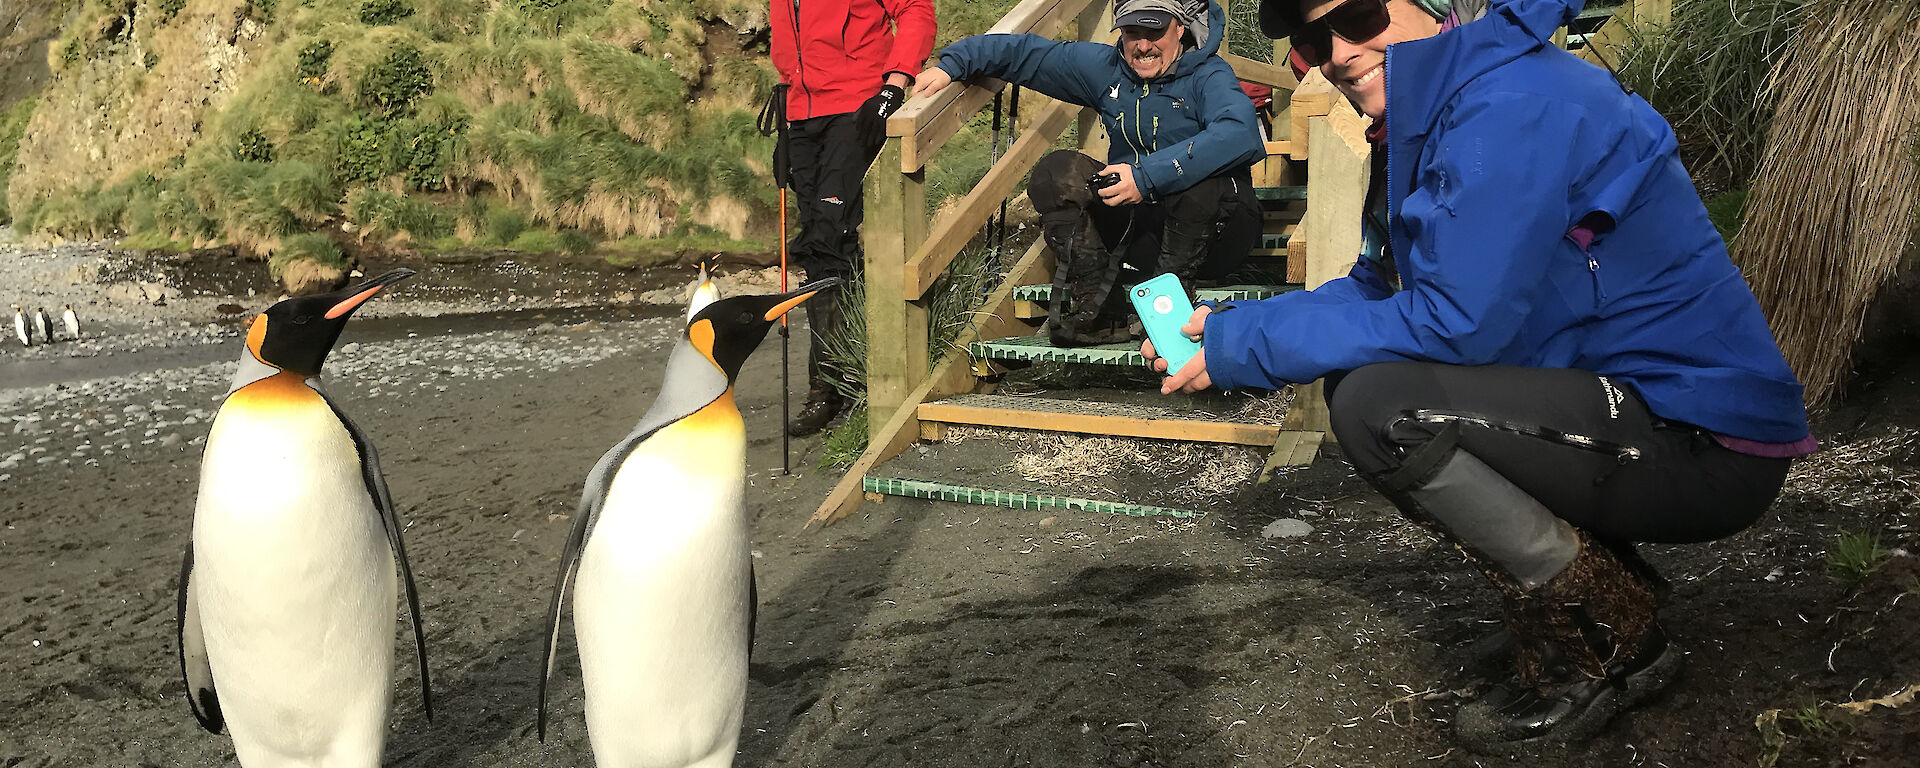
(1593, 265)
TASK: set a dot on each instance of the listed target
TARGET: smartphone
(1163, 307)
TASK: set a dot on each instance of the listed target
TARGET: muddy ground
(913, 633)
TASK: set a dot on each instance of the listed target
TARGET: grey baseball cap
(1152, 14)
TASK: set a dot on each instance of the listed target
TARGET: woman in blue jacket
(1544, 356)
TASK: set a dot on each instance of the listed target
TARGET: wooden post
(896, 222)
(1336, 198)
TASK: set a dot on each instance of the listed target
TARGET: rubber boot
(1586, 645)
(1588, 648)
(1084, 277)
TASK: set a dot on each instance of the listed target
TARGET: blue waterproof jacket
(1498, 145)
(1176, 130)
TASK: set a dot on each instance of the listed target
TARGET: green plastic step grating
(1037, 349)
(1274, 241)
(1044, 292)
(925, 489)
(1280, 194)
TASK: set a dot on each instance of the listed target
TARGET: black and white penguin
(287, 589)
(659, 559)
(22, 329)
(72, 321)
(44, 322)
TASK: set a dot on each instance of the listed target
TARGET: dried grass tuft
(1873, 475)
(1833, 206)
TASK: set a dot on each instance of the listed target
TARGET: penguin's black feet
(821, 407)
(1514, 715)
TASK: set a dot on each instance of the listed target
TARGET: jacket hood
(1425, 74)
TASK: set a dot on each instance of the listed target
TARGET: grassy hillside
(538, 124)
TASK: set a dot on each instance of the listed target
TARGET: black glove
(872, 120)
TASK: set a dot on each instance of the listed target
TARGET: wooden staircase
(916, 393)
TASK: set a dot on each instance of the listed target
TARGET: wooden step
(1088, 417)
(966, 494)
(1044, 292)
(1280, 194)
(1038, 349)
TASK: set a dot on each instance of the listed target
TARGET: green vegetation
(1726, 210)
(1855, 556)
(576, 126)
(313, 246)
(843, 446)
(12, 123)
(1707, 72)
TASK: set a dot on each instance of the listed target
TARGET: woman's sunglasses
(1355, 21)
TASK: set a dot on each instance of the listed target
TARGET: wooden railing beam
(958, 226)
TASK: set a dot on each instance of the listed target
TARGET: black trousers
(828, 167)
(1583, 445)
(1201, 234)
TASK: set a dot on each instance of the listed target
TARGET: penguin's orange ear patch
(257, 335)
(701, 334)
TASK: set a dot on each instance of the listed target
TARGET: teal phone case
(1163, 307)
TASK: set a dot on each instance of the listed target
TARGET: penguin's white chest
(661, 602)
(295, 580)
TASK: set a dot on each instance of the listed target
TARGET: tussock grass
(12, 124)
(1835, 202)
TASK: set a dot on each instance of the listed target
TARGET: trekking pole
(786, 370)
(773, 122)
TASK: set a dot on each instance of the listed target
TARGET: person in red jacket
(844, 67)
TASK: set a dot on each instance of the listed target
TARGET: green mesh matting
(1042, 293)
(1274, 241)
(1036, 349)
(1280, 194)
(925, 489)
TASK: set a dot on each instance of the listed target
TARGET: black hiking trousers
(828, 165)
(1202, 234)
(1583, 445)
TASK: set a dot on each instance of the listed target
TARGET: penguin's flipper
(592, 497)
(390, 517)
(193, 654)
(753, 607)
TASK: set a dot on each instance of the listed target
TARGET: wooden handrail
(956, 228)
(925, 124)
(1255, 71)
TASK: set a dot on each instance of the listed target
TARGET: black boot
(821, 406)
(1085, 272)
(825, 316)
(1587, 648)
(1585, 644)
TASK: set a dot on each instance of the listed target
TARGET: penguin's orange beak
(799, 295)
(366, 291)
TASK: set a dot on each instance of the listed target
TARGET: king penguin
(44, 322)
(287, 589)
(660, 563)
(21, 329)
(704, 291)
(72, 321)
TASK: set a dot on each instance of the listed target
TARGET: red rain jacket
(845, 50)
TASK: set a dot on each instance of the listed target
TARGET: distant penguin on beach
(72, 321)
(660, 563)
(44, 322)
(287, 589)
(705, 292)
(21, 330)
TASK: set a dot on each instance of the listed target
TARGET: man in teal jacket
(1543, 356)
(1178, 193)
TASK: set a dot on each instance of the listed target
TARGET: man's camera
(1100, 181)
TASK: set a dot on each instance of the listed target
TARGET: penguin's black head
(727, 330)
(295, 335)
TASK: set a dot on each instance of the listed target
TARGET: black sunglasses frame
(1355, 21)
